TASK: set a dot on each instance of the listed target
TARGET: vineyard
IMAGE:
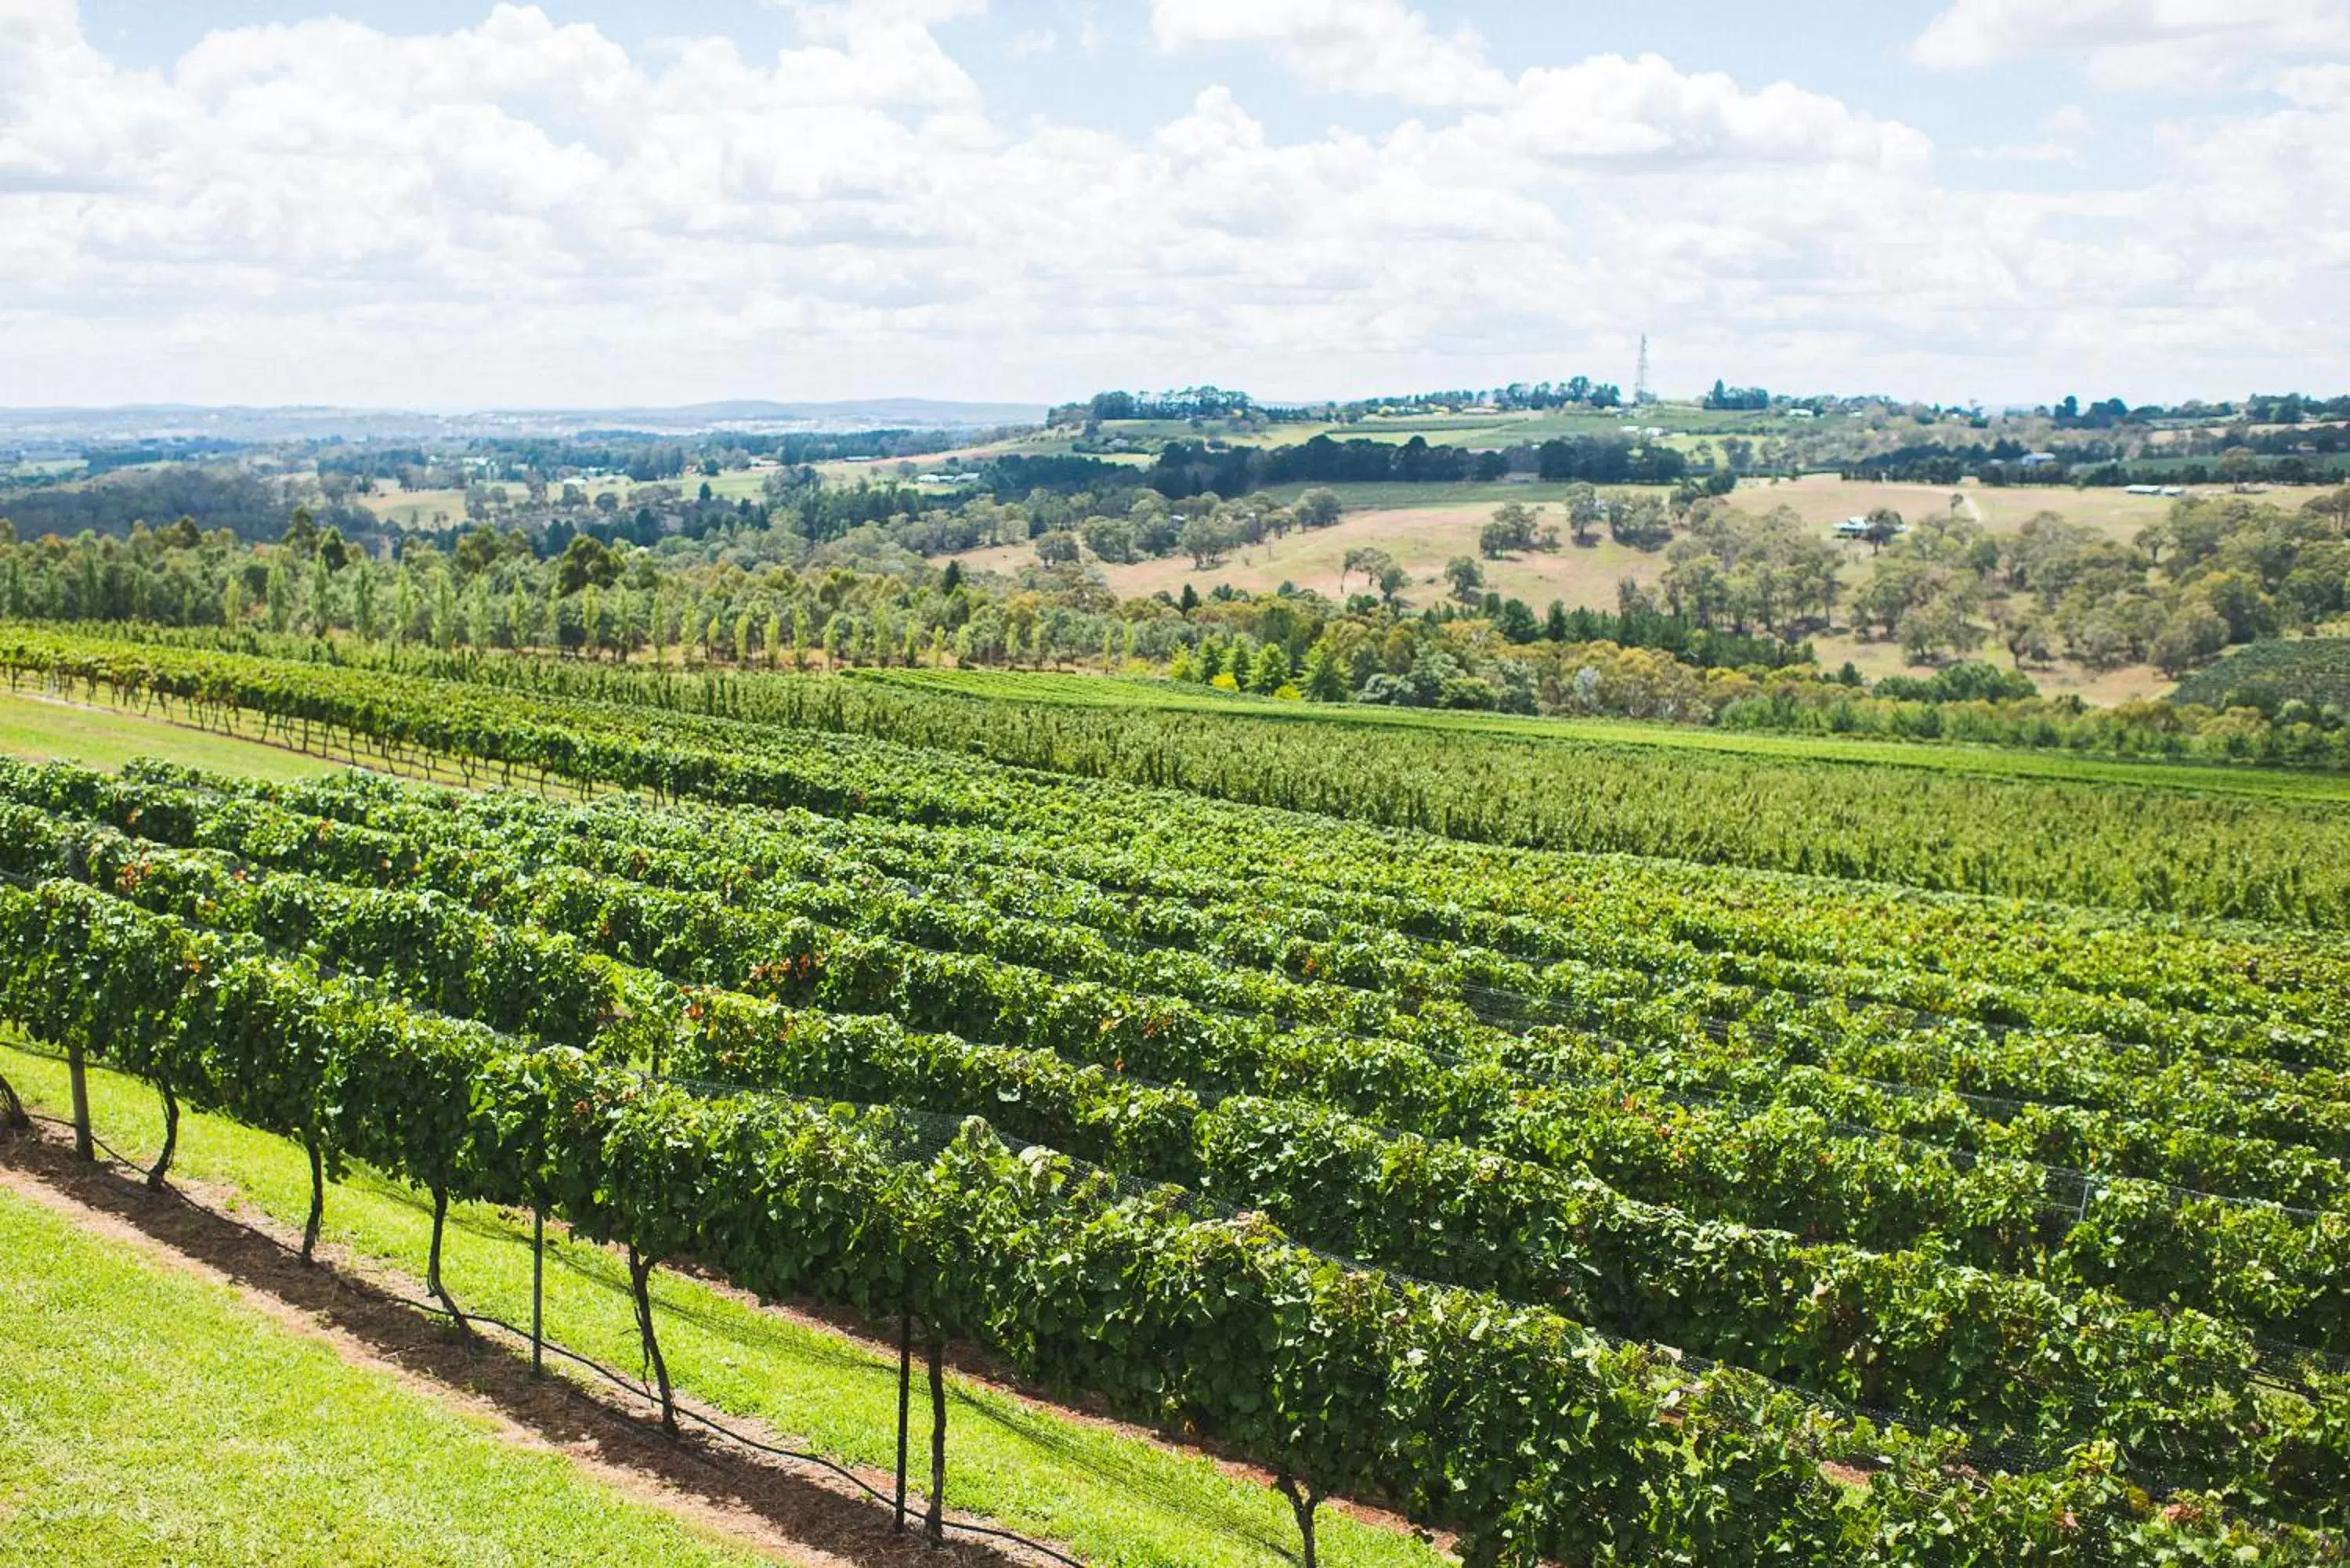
(1588, 1154)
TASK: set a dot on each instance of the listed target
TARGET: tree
(363, 604)
(2027, 634)
(277, 597)
(2238, 601)
(1586, 511)
(1884, 526)
(1318, 508)
(1512, 528)
(1467, 578)
(2333, 508)
(1057, 549)
(1368, 559)
(2189, 638)
(476, 552)
(1325, 677)
(1641, 522)
(1516, 621)
(584, 561)
(1270, 671)
(1206, 539)
(444, 612)
(1939, 626)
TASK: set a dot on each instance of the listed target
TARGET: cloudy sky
(448, 203)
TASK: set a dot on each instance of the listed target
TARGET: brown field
(1877, 659)
(1420, 538)
(440, 508)
(414, 508)
(1824, 499)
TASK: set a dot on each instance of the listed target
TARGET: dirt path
(794, 1514)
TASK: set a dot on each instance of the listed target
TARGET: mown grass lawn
(102, 737)
(149, 1416)
(1117, 1501)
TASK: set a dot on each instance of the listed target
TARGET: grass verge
(105, 737)
(152, 1418)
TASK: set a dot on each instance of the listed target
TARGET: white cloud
(2064, 133)
(1611, 108)
(1375, 48)
(527, 211)
(2143, 44)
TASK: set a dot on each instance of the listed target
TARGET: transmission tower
(1640, 380)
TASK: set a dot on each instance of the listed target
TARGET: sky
(451, 204)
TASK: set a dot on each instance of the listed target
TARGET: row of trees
(2213, 572)
(1736, 590)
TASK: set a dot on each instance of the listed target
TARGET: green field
(1115, 1499)
(1120, 693)
(1470, 428)
(148, 1417)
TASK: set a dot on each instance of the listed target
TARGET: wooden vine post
(905, 1395)
(539, 1290)
(85, 1145)
(935, 1527)
(13, 1118)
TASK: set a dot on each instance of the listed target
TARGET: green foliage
(1918, 1151)
(1905, 1330)
(2170, 852)
(2313, 671)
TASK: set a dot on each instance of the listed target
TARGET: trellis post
(905, 1394)
(85, 1145)
(936, 1526)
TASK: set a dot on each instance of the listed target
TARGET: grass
(1098, 691)
(152, 1418)
(41, 729)
(1118, 1502)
